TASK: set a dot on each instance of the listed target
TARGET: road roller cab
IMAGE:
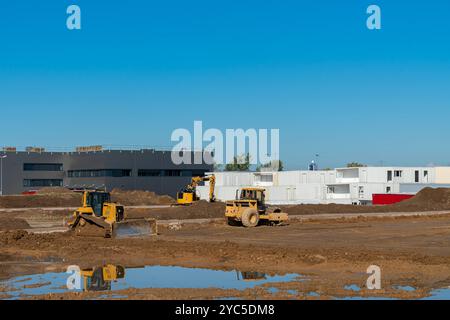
(250, 210)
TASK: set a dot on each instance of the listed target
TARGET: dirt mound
(55, 190)
(61, 197)
(10, 237)
(310, 209)
(41, 200)
(13, 224)
(139, 198)
(198, 210)
(428, 199)
(25, 239)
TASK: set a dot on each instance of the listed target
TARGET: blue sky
(140, 69)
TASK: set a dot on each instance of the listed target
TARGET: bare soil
(61, 197)
(140, 198)
(13, 224)
(410, 251)
(41, 200)
(198, 210)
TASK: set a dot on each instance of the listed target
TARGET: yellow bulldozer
(99, 216)
(188, 195)
(250, 210)
(101, 278)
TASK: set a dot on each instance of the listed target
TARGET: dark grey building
(130, 170)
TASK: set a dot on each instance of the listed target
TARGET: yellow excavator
(250, 210)
(99, 216)
(188, 195)
(101, 278)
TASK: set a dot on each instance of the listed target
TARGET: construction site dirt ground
(323, 253)
(330, 257)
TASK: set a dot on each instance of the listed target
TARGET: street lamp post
(1, 173)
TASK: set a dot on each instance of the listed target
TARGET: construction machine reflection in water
(113, 278)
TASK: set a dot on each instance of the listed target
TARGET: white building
(342, 185)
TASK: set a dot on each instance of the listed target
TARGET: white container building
(341, 185)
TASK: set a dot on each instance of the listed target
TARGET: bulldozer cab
(96, 200)
(101, 278)
(97, 282)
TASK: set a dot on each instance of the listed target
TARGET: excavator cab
(188, 195)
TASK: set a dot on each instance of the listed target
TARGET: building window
(330, 190)
(389, 175)
(361, 191)
(170, 173)
(42, 167)
(42, 183)
(266, 178)
(115, 173)
(398, 173)
(416, 176)
(388, 189)
(149, 173)
(198, 173)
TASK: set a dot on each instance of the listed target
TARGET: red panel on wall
(389, 198)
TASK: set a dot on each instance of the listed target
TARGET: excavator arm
(212, 186)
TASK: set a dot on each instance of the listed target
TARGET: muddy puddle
(112, 278)
(109, 280)
(437, 294)
(441, 294)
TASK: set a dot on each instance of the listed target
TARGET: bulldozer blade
(135, 228)
(90, 226)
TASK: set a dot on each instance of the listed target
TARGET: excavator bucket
(135, 228)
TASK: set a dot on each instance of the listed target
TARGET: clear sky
(139, 69)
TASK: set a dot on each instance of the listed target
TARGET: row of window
(169, 173)
(42, 167)
(42, 183)
(120, 173)
(399, 173)
(30, 183)
(116, 173)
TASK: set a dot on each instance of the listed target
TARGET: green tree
(240, 163)
(275, 165)
(355, 165)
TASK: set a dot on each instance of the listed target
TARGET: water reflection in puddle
(405, 288)
(353, 287)
(437, 294)
(440, 294)
(112, 278)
